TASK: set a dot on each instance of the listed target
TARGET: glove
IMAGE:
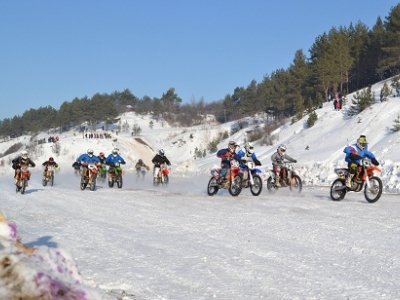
(257, 162)
(354, 156)
(375, 162)
(295, 161)
(122, 162)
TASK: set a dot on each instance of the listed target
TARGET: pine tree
(396, 125)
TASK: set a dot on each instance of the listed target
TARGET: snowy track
(179, 243)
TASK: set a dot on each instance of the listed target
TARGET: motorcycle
(103, 172)
(253, 180)
(115, 175)
(162, 175)
(216, 181)
(91, 177)
(364, 178)
(48, 177)
(22, 180)
(288, 178)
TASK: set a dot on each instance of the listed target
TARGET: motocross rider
(277, 162)
(226, 155)
(113, 159)
(21, 161)
(354, 154)
(85, 159)
(47, 163)
(158, 160)
(248, 152)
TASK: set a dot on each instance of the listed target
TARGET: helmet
(161, 152)
(249, 148)
(115, 151)
(232, 146)
(51, 159)
(90, 152)
(362, 142)
(140, 160)
(101, 154)
(24, 154)
(281, 149)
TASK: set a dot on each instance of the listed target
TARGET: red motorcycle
(364, 178)
(48, 176)
(162, 176)
(216, 181)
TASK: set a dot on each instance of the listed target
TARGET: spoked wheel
(166, 180)
(212, 187)
(44, 182)
(256, 188)
(338, 190)
(374, 192)
(271, 187)
(83, 184)
(295, 184)
(236, 186)
(119, 182)
(24, 183)
(93, 184)
(52, 180)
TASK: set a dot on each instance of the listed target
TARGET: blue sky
(54, 51)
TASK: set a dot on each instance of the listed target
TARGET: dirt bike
(90, 178)
(115, 176)
(162, 176)
(364, 178)
(22, 180)
(48, 177)
(288, 178)
(103, 172)
(253, 180)
(216, 181)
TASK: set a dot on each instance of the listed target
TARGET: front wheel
(83, 184)
(165, 179)
(295, 184)
(119, 181)
(93, 184)
(256, 188)
(374, 192)
(236, 186)
(44, 182)
(52, 180)
(24, 184)
(271, 187)
(338, 190)
(212, 187)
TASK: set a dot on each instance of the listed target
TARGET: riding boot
(277, 180)
(348, 180)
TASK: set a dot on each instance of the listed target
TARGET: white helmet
(24, 154)
(115, 151)
(90, 152)
(249, 147)
(281, 149)
(161, 152)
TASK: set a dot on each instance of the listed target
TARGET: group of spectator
(51, 139)
(95, 135)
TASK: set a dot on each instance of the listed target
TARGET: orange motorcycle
(22, 179)
(91, 176)
(162, 176)
(216, 181)
(364, 178)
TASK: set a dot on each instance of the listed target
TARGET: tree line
(342, 60)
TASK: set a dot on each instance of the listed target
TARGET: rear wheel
(212, 187)
(236, 186)
(374, 192)
(256, 188)
(295, 183)
(338, 190)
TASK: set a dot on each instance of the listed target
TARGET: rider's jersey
(355, 150)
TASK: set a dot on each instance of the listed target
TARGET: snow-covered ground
(176, 242)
